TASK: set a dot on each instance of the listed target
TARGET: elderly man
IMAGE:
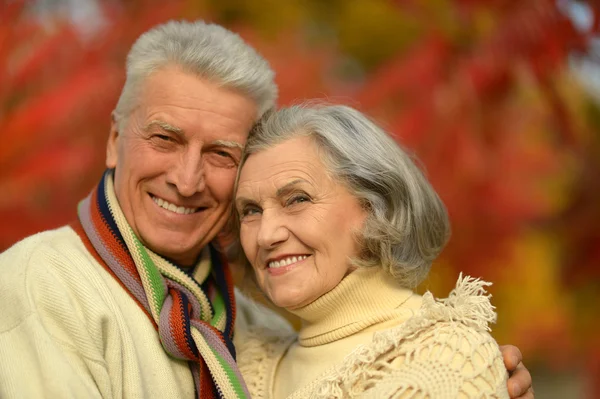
(133, 299)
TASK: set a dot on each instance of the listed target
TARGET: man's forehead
(192, 103)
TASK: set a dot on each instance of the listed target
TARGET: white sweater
(68, 329)
(371, 338)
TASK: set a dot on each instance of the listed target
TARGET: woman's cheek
(246, 241)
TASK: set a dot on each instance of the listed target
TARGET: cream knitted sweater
(370, 338)
(69, 330)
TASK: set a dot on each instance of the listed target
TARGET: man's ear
(112, 144)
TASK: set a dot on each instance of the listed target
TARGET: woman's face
(298, 226)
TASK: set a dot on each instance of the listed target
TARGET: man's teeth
(172, 207)
(286, 261)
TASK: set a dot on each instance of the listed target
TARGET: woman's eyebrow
(286, 188)
(281, 191)
(240, 202)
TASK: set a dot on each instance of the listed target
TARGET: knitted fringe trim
(468, 304)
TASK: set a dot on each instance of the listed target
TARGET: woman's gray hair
(407, 224)
(207, 50)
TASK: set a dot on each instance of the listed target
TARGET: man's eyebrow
(164, 125)
(288, 187)
(229, 144)
(177, 130)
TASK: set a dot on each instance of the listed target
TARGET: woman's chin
(289, 296)
(290, 303)
(286, 302)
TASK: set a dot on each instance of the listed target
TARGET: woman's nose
(272, 231)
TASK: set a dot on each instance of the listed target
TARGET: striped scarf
(194, 316)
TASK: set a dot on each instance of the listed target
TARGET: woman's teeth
(172, 207)
(286, 261)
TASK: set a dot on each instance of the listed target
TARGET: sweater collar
(365, 297)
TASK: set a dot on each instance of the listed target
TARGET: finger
(519, 382)
(512, 356)
(527, 395)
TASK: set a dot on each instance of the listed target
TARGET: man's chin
(175, 250)
(184, 259)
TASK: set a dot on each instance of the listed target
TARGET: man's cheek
(224, 188)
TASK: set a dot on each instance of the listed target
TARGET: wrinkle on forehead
(177, 93)
(279, 175)
(201, 119)
(182, 133)
(268, 170)
(269, 191)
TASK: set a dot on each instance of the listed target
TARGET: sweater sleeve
(46, 347)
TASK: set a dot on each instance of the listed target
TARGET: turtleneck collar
(365, 297)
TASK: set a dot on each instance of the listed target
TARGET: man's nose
(188, 174)
(272, 231)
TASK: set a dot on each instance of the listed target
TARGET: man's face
(176, 159)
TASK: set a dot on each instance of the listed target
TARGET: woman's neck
(365, 297)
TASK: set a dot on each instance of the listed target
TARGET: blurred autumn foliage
(483, 92)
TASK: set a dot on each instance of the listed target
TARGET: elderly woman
(338, 225)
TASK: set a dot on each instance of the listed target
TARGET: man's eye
(163, 137)
(223, 154)
(221, 159)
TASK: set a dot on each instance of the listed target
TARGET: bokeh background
(497, 98)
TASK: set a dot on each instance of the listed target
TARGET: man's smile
(182, 210)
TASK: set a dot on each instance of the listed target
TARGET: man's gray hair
(407, 224)
(207, 50)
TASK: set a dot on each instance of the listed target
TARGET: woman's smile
(286, 264)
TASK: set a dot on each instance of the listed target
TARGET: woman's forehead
(274, 177)
(271, 169)
(293, 153)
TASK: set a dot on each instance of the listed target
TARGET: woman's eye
(298, 199)
(250, 211)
